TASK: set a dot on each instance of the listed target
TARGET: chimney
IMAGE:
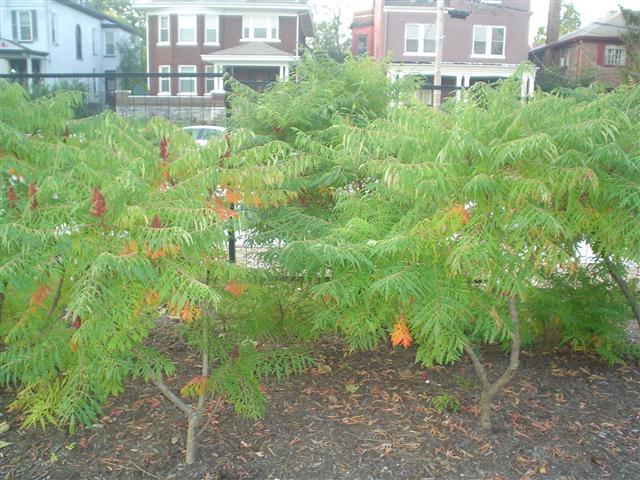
(553, 23)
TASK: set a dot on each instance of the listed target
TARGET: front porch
(458, 76)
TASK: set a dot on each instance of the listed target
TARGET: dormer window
(261, 28)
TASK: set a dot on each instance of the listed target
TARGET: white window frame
(19, 25)
(623, 55)
(488, 42)
(94, 46)
(167, 29)
(209, 81)
(193, 79)
(193, 20)
(212, 22)
(54, 28)
(272, 23)
(422, 28)
(107, 44)
(164, 69)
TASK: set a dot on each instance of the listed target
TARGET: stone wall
(192, 110)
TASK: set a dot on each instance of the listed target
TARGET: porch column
(459, 84)
(528, 85)
(286, 72)
(29, 72)
(218, 82)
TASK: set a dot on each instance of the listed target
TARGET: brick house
(484, 40)
(255, 41)
(362, 33)
(594, 52)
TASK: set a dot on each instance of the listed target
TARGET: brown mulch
(566, 416)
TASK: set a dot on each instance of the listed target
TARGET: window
(94, 50)
(78, 43)
(164, 83)
(488, 41)
(565, 57)
(109, 44)
(24, 24)
(615, 55)
(261, 28)
(420, 39)
(209, 83)
(187, 84)
(163, 29)
(187, 25)
(362, 46)
(211, 23)
(54, 28)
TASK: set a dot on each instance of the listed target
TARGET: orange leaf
(188, 313)
(39, 296)
(222, 211)
(11, 171)
(194, 387)
(400, 333)
(151, 298)
(235, 289)
(231, 196)
(73, 346)
(130, 248)
(460, 211)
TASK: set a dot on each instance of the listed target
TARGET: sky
(590, 10)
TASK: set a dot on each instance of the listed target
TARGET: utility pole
(437, 77)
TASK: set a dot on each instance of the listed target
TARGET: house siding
(230, 35)
(458, 44)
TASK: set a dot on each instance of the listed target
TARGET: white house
(58, 36)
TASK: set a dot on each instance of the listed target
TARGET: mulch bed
(566, 416)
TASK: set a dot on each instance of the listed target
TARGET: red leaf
(32, 196)
(156, 222)
(97, 204)
(164, 151)
(11, 196)
(77, 323)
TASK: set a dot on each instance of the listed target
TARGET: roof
(108, 21)
(14, 48)
(611, 26)
(252, 48)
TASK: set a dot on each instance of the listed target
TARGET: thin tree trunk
(194, 415)
(56, 298)
(1, 305)
(491, 390)
(624, 286)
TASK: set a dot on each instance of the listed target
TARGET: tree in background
(329, 38)
(569, 22)
(121, 10)
(133, 59)
(631, 40)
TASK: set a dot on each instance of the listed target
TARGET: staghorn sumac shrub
(106, 224)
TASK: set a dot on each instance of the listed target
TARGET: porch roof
(14, 49)
(251, 52)
(251, 48)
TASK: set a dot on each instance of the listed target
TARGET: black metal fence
(186, 98)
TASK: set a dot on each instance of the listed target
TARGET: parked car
(203, 133)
